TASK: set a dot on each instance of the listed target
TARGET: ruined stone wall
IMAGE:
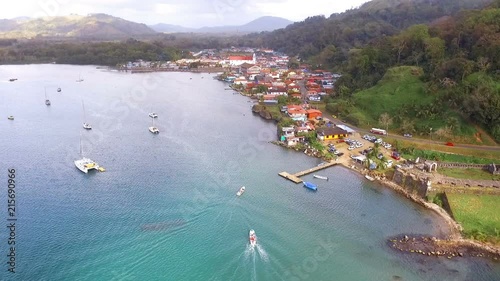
(411, 183)
(462, 165)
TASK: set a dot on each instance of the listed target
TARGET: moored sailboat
(47, 101)
(153, 129)
(85, 164)
(86, 125)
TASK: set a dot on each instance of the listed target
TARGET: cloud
(189, 13)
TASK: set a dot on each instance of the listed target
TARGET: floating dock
(296, 177)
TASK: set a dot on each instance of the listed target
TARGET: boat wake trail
(256, 251)
(262, 253)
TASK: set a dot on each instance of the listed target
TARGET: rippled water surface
(165, 209)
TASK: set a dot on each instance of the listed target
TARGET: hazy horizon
(188, 13)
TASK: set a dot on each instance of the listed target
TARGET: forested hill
(457, 61)
(357, 27)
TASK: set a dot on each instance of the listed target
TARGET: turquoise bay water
(165, 209)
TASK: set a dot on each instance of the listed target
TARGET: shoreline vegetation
(453, 245)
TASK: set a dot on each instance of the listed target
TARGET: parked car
(408, 135)
(395, 155)
(389, 163)
(450, 144)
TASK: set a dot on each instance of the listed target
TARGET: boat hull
(320, 177)
(252, 238)
(310, 186)
(85, 164)
(369, 178)
(240, 192)
(154, 130)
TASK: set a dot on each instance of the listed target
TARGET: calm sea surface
(165, 209)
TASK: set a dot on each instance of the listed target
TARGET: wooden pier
(296, 177)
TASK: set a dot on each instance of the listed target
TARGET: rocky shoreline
(448, 248)
(451, 246)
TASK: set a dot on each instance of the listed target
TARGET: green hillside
(399, 87)
(403, 96)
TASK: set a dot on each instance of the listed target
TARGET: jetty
(296, 177)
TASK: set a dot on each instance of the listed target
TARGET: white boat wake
(255, 251)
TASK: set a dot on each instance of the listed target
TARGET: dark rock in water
(257, 108)
(266, 115)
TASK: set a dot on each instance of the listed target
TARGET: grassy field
(488, 156)
(471, 174)
(447, 157)
(478, 214)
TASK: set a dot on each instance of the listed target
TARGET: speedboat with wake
(252, 238)
(242, 189)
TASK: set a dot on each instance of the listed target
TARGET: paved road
(418, 140)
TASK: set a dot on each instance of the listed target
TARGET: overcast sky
(189, 13)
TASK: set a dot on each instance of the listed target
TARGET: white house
(239, 60)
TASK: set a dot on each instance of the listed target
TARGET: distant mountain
(266, 23)
(91, 26)
(171, 28)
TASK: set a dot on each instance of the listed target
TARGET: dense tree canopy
(99, 53)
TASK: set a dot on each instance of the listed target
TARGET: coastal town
(293, 94)
(251, 140)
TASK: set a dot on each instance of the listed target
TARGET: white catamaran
(85, 164)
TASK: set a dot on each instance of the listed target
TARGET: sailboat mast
(84, 116)
(81, 153)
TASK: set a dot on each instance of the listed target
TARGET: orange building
(313, 114)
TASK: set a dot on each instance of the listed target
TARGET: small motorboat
(369, 178)
(10, 117)
(153, 115)
(252, 238)
(12, 79)
(59, 90)
(310, 185)
(87, 126)
(320, 177)
(242, 189)
(47, 102)
(154, 130)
